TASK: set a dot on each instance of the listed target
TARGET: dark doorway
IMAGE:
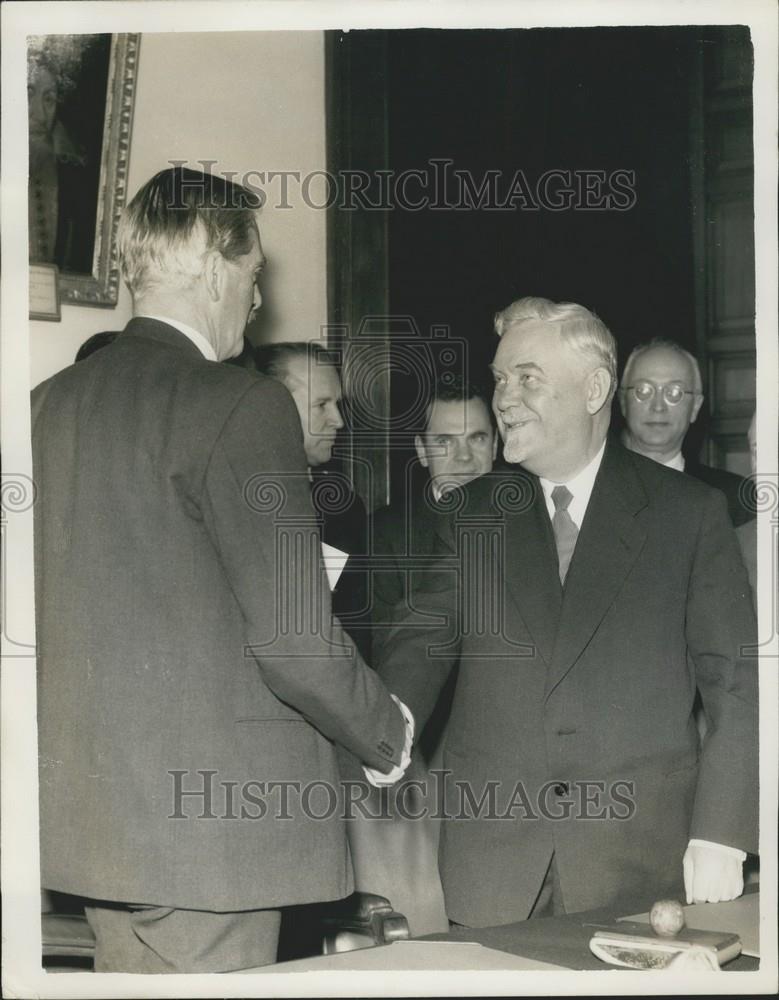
(551, 162)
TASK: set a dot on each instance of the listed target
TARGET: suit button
(561, 788)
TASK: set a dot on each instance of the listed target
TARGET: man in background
(397, 858)
(173, 696)
(458, 443)
(660, 396)
(310, 373)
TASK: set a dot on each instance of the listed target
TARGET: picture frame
(94, 81)
(44, 292)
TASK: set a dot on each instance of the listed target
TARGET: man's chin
(514, 452)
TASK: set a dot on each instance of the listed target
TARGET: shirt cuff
(741, 855)
(377, 778)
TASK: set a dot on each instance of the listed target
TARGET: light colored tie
(565, 531)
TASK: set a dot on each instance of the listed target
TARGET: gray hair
(175, 219)
(580, 328)
(669, 345)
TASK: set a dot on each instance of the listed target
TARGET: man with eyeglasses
(660, 396)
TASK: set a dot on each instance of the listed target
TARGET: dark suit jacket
(593, 683)
(175, 640)
(343, 523)
(404, 539)
(726, 482)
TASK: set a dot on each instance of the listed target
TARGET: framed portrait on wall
(80, 90)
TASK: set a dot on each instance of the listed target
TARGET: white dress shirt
(204, 345)
(677, 462)
(580, 488)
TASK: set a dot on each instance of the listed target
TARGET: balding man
(310, 373)
(660, 395)
(192, 684)
(583, 598)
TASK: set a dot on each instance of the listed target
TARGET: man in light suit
(660, 396)
(586, 596)
(191, 683)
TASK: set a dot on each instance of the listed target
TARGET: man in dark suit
(458, 443)
(584, 598)
(310, 374)
(191, 683)
(660, 395)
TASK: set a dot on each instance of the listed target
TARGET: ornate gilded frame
(101, 288)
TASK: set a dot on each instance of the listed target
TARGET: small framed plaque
(44, 292)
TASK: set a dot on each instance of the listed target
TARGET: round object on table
(666, 918)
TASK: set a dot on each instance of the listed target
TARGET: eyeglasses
(672, 393)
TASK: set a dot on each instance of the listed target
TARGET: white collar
(201, 343)
(580, 487)
(677, 462)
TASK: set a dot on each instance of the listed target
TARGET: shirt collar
(580, 487)
(677, 462)
(201, 343)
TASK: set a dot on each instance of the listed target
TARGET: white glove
(713, 873)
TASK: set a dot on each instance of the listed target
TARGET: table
(563, 940)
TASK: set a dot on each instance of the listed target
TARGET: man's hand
(376, 778)
(712, 875)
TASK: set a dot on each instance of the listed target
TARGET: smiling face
(550, 402)
(316, 390)
(656, 428)
(459, 442)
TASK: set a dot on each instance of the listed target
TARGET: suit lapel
(531, 568)
(609, 542)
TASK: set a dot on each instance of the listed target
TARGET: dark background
(568, 99)
(540, 99)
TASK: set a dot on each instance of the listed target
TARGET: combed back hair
(178, 217)
(274, 359)
(580, 328)
(455, 389)
(669, 345)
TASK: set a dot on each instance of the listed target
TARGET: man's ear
(420, 447)
(598, 390)
(696, 406)
(214, 274)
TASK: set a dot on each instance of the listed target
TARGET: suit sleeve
(386, 575)
(416, 653)
(722, 638)
(256, 503)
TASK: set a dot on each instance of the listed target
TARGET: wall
(251, 101)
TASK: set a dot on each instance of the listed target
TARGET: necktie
(565, 531)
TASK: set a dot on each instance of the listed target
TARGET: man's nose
(257, 297)
(336, 420)
(507, 395)
(658, 403)
(462, 451)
